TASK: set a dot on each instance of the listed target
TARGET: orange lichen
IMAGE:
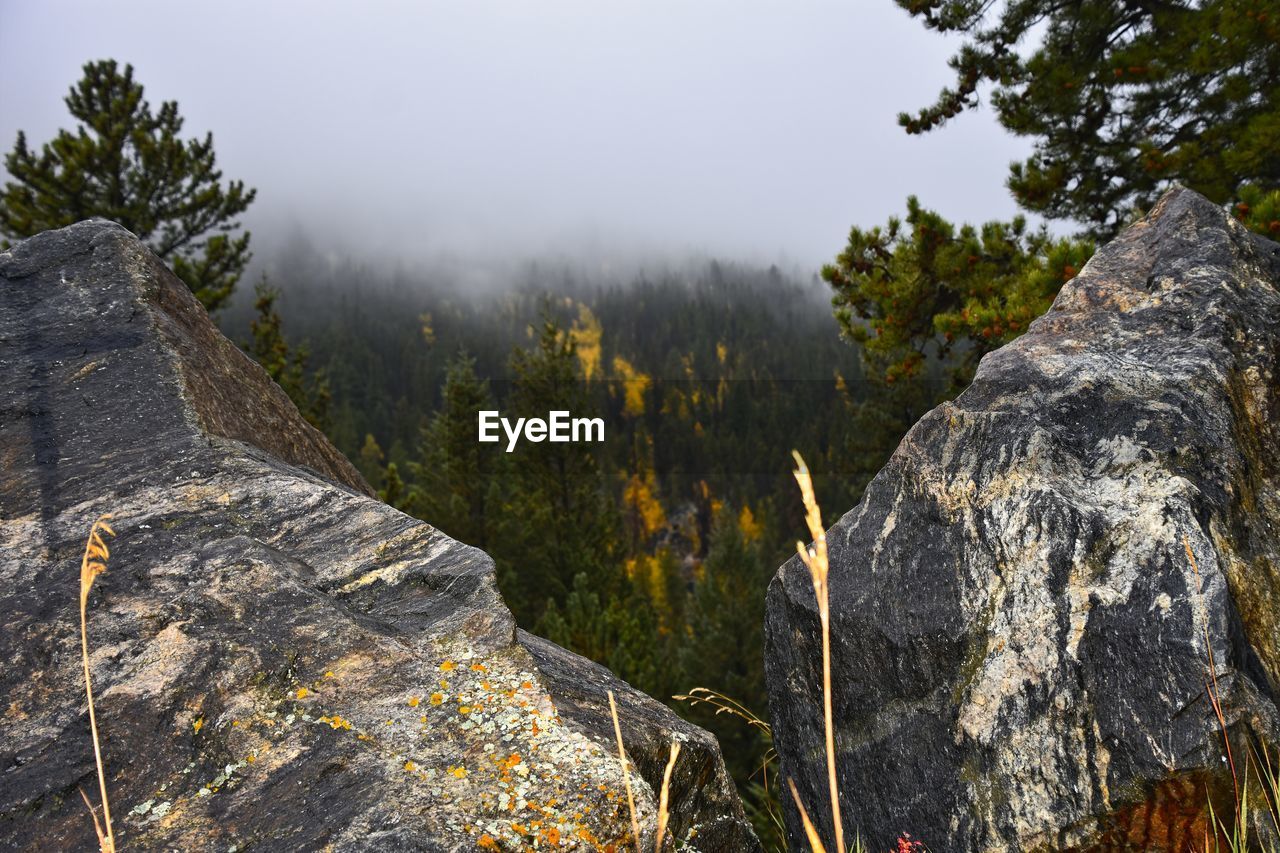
(448, 666)
(336, 722)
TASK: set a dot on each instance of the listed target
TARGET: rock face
(1021, 644)
(280, 662)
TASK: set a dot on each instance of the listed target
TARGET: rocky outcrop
(280, 661)
(1021, 643)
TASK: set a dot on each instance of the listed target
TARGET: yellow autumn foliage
(640, 500)
(586, 335)
(750, 527)
(635, 384)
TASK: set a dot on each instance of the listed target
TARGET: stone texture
(1019, 638)
(280, 661)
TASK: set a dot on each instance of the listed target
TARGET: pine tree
(620, 632)
(393, 491)
(725, 647)
(557, 516)
(126, 163)
(370, 460)
(285, 364)
(1121, 97)
(1259, 211)
(921, 287)
(456, 475)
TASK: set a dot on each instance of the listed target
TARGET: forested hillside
(651, 551)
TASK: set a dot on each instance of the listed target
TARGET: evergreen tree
(129, 164)
(876, 415)
(1121, 97)
(370, 460)
(1259, 211)
(557, 517)
(620, 632)
(923, 287)
(725, 647)
(454, 479)
(393, 491)
(283, 363)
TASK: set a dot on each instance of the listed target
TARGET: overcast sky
(753, 129)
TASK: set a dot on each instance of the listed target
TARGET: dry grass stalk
(727, 705)
(664, 798)
(626, 775)
(92, 564)
(816, 560)
(815, 843)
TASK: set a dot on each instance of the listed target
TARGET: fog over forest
(471, 138)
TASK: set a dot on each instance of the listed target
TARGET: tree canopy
(1121, 97)
(127, 163)
(924, 287)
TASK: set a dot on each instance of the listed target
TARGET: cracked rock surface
(280, 662)
(1021, 643)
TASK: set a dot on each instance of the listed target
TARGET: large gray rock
(280, 661)
(1019, 638)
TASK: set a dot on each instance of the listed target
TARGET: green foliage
(877, 417)
(620, 632)
(126, 163)
(556, 517)
(284, 364)
(370, 460)
(724, 647)
(1259, 210)
(1121, 97)
(457, 473)
(393, 492)
(924, 287)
